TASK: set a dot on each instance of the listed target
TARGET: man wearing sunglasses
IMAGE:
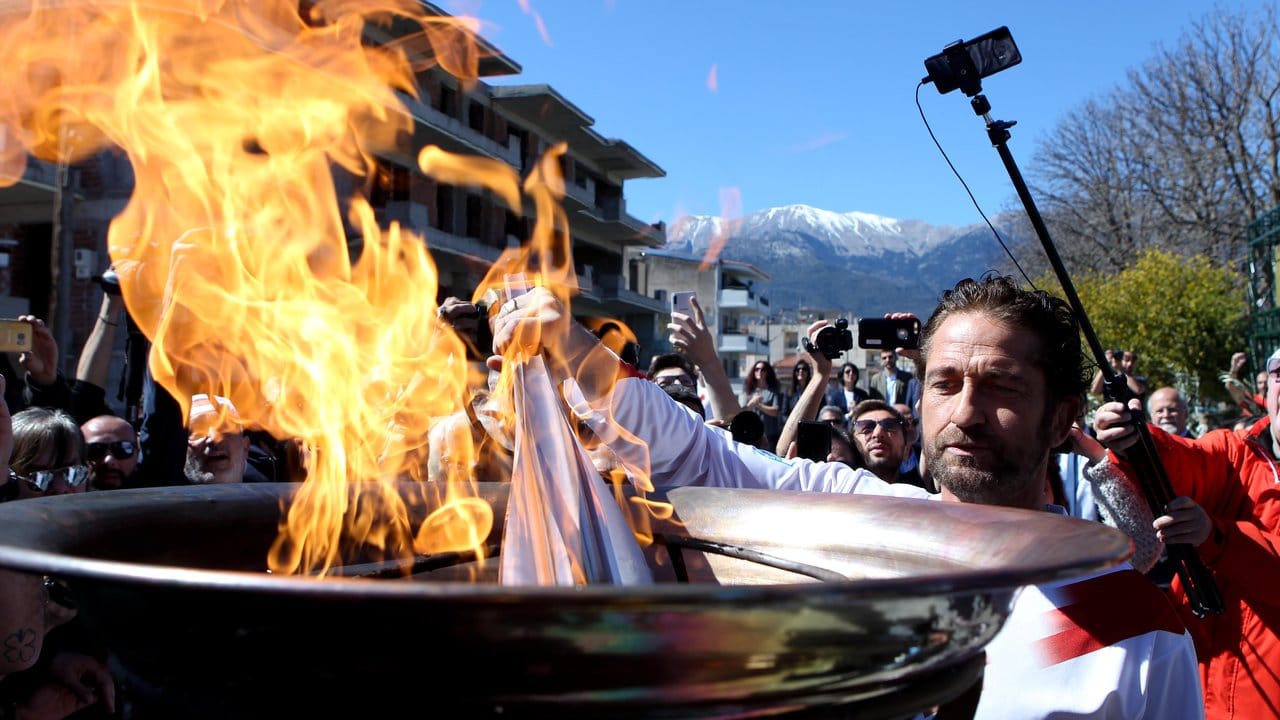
(880, 434)
(111, 451)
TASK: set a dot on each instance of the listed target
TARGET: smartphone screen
(15, 336)
(886, 333)
(681, 302)
(813, 440)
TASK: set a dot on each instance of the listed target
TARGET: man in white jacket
(1003, 378)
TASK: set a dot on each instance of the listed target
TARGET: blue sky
(813, 102)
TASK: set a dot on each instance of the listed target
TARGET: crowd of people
(990, 409)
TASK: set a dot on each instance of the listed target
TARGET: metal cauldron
(795, 602)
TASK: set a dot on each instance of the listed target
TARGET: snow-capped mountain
(862, 263)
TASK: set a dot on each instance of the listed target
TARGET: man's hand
(821, 363)
(1185, 522)
(1238, 361)
(689, 335)
(87, 677)
(1112, 421)
(462, 315)
(1082, 443)
(530, 324)
(912, 354)
(41, 361)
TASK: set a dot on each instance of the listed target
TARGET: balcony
(743, 301)
(740, 343)
(410, 215)
(459, 137)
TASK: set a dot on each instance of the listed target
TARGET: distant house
(726, 291)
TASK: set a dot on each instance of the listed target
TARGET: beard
(881, 465)
(196, 475)
(1013, 478)
(1168, 426)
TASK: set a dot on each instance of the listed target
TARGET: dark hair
(1048, 317)
(686, 396)
(796, 388)
(770, 377)
(856, 373)
(670, 360)
(37, 428)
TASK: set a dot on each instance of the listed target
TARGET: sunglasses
(42, 480)
(666, 380)
(866, 427)
(1273, 365)
(119, 449)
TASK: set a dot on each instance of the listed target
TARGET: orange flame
(233, 251)
(730, 222)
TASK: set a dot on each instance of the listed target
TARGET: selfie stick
(1202, 592)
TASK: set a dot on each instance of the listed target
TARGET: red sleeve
(1215, 471)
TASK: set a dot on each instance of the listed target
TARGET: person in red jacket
(1231, 512)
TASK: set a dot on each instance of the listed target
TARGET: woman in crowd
(801, 373)
(761, 395)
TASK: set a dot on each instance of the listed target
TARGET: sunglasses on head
(42, 480)
(866, 427)
(119, 449)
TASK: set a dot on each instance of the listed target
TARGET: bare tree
(1182, 157)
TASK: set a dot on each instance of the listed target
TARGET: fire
(232, 250)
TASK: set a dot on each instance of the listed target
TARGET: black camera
(831, 341)
(964, 64)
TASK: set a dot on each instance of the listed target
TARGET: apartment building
(731, 303)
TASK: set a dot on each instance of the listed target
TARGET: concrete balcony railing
(452, 126)
(741, 343)
(744, 301)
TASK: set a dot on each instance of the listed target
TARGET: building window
(444, 208)
(475, 217)
(448, 101)
(475, 117)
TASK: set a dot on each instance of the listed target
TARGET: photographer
(1124, 362)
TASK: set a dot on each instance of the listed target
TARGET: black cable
(965, 185)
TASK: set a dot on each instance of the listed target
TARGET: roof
(542, 106)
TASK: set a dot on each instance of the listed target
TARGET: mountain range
(854, 262)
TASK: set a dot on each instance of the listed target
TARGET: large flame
(232, 251)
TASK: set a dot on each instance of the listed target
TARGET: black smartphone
(888, 333)
(813, 440)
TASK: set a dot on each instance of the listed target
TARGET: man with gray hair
(1168, 409)
(217, 449)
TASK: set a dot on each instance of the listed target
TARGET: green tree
(1184, 317)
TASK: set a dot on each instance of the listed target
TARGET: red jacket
(1236, 479)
